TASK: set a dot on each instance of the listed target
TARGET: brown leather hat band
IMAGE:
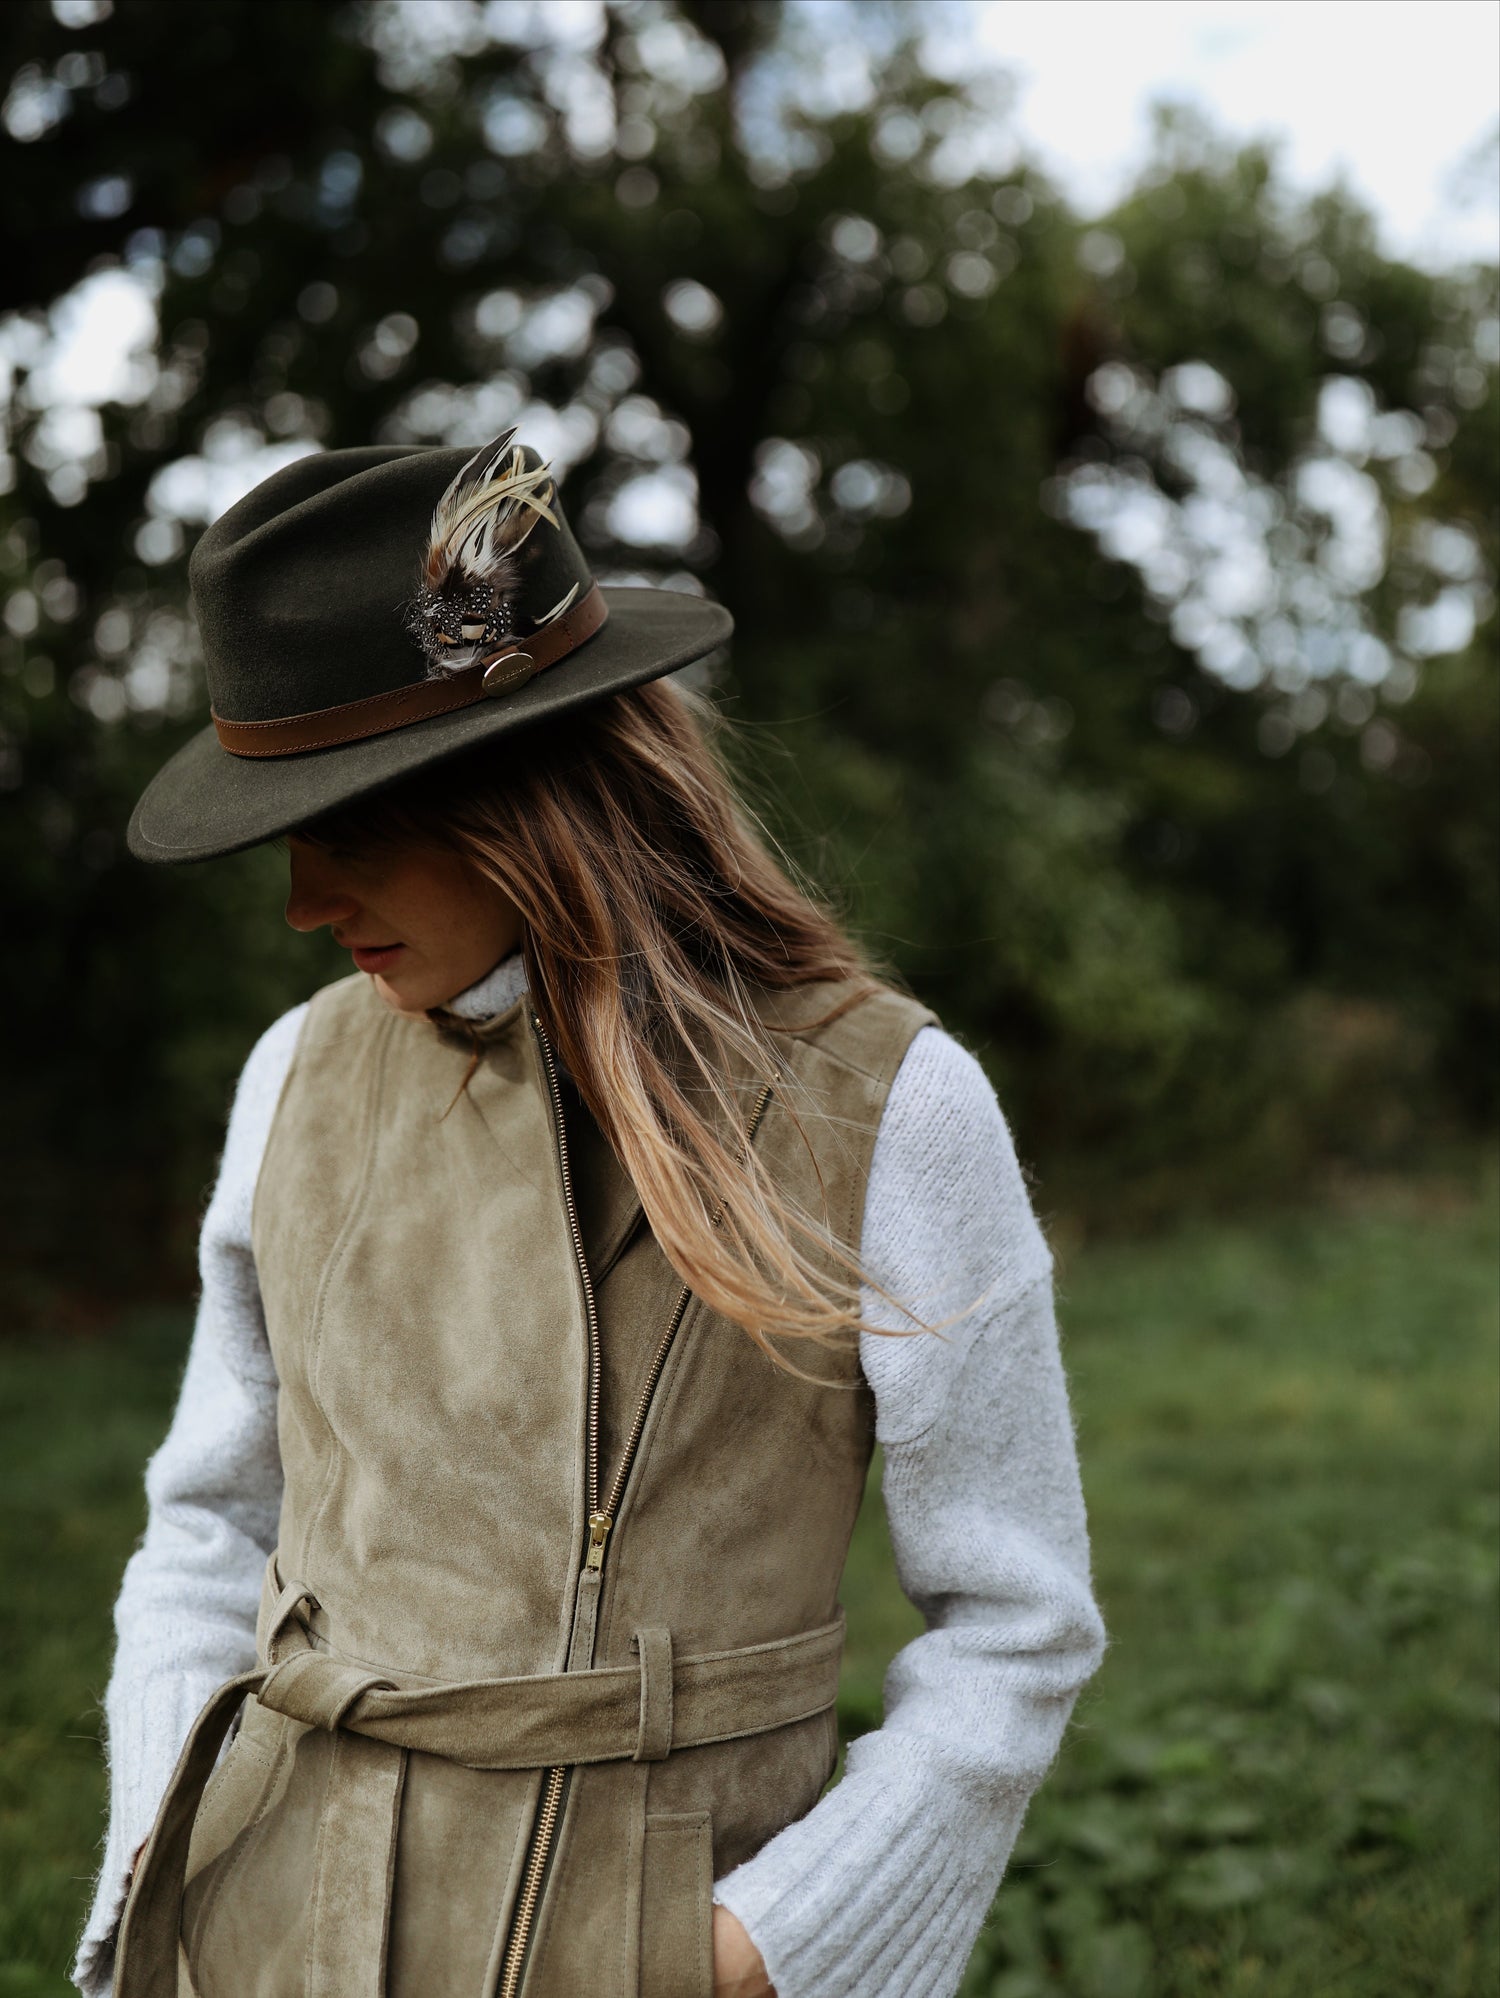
(377, 714)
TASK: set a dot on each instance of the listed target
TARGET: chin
(399, 1000)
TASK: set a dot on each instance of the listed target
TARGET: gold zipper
(601, 1521)
(596, 1364)
(550, 1809)
(601, 1517)
(531, 1885)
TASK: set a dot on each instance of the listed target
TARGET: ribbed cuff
(147, 1726)
(878, 1892)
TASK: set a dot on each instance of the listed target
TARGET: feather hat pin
(465, 606)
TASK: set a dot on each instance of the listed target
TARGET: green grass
(1282, 1782)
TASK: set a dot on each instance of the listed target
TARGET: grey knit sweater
(880, 1890)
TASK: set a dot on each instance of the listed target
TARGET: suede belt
(638, 1712)
(378, 714)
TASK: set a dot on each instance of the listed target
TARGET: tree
(819, 354)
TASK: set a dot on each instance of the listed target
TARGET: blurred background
(1089, 415)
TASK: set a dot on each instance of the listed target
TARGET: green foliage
(77, 1421)
(1289, 1446)
(1277, 1784)
(1206, 932)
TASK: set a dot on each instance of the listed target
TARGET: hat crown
(310, 591)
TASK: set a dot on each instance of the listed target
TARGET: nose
(316, 897)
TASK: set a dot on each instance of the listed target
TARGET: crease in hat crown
(355, 574)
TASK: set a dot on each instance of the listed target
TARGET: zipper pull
(599, 1525)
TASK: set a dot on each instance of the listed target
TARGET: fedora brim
(204, 802)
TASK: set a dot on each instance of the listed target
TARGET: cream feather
(471, 569)
(486, 514)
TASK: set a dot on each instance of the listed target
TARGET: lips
(376, 957)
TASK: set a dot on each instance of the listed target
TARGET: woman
(565, 1260)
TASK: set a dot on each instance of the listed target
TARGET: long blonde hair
(653, 910)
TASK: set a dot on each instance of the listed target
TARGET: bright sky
(1396, 92)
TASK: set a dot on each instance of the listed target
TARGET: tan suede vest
(561, 1637)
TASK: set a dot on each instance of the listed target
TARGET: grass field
(1283, 1781)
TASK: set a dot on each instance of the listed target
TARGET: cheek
(446, 909)
(486, 910)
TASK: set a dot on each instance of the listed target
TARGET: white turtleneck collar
(495, 993)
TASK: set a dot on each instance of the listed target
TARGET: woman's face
(423, 925)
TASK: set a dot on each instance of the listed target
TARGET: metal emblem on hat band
(511, 669)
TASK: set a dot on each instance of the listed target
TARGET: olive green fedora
(365, 613)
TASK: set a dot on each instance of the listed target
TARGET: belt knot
(318, 1690)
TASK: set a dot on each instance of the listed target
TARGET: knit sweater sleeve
(185, 1616)
(880, 1890)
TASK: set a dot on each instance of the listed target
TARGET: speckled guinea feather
(470, 568)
